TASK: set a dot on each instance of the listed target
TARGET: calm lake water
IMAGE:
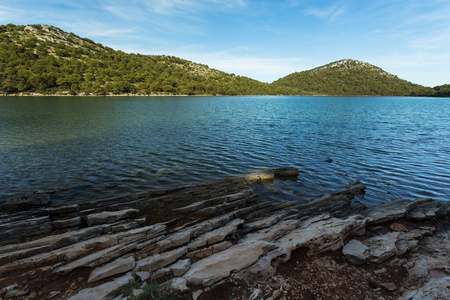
(87, 148)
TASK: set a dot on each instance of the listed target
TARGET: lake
(83, 148)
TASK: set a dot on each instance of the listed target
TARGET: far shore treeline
(41, 59)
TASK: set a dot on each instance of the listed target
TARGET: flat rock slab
(109, 216)
(382, 247)
(220, 265)
(116, 267)
(321, 235)
(436, 288)
(103, 291)
(389, 211)
(356, 252)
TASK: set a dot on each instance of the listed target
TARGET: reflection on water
(86, 148)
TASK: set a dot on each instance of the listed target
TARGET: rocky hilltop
(220, 240)
(352, 77)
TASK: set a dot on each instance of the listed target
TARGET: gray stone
(163, 272)
(61, 224)
(64, 209)
(142, 275)
(97, 258)
(264, 222)
(321, 234)
(271, 233)
(388, 211)
(426, 209)
(356, 252)
(219, 266)
(109, 216)
(141, 234)
(116, 267)
(180, 267)
(157, 261)
(103, 291)
(382, 247)
(14, 290)
(179, 284)
(435, 289)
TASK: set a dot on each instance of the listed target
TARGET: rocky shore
(220, 240)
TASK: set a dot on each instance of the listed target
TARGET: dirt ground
(327, 276)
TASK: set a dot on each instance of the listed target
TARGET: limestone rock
(426, 209)
(118, 266)
(14, 290)
(61, 224)
(382, 247)
(320, 234)
(388, 211)
(179, 284)
(102, 291)
(221, 233)
(435, 289)
(109, 216)
(97, 258)
(271, 233)
(157, 261)
(163, 272)
(180, 267)
(219, 266)
(264, 222)
(356, 252)
(143, 276)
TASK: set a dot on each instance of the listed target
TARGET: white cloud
(239, 62)
(9, 14)
(330, 13)
(418, 67)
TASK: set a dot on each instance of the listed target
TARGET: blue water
(87, 148)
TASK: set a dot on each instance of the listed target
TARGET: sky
(264, 40)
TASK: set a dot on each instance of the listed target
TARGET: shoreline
(199, 95)
(220, 238)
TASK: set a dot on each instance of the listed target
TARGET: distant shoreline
(186, 95)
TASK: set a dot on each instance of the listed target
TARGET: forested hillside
(351, 77)
(45, 59)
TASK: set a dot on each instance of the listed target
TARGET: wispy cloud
(330, 12)
(10, 14)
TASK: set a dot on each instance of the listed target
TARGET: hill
(45, 59)
(351, 77)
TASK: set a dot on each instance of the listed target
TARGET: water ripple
(94, 147)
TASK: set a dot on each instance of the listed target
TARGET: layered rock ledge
(209, 237)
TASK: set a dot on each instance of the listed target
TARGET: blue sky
(264, 40)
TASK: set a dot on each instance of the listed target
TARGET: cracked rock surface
(220, 239)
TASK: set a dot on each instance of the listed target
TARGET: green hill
(351, 77)
(45, 59)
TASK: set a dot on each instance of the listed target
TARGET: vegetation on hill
(351, 77)
(45, 59)
(441, 90)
